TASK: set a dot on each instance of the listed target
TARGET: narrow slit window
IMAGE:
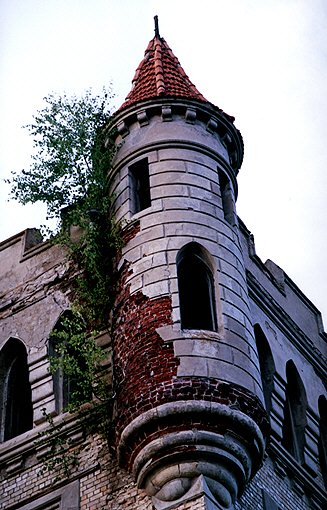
(196, 289)
(294, 414)
(267, 366)
(61, 381)
(140, 186)
(227, 198)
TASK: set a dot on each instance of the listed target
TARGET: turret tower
(190, 418)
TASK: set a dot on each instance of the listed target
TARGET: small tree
(68, 173)
(70, 164)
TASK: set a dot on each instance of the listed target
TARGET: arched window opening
(294, 414)
(196, 289)
(61, 381)
(322, 445)
(15, 391)
(67, 360)
(267, 365)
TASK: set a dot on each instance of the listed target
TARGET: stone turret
(190, 418)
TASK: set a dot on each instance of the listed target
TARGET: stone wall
(101, 484)
(277, 489)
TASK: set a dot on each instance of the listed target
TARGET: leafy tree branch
(69, 164)
(69, 173)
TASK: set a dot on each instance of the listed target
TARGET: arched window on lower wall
(196, 288)
(15, 391)
(295, 418)
(67, 357)
(267, 365)
(61, 381)
(322, 405)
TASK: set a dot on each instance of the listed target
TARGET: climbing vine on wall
(69, 173)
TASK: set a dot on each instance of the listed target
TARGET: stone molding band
(169, 466)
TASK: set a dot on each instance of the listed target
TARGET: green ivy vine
(69, 173)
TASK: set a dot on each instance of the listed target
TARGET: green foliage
(59, 457)
(70, 161)
(69, 170)
(73, 155)
(78, 357)
(94, 254)
(77, 360)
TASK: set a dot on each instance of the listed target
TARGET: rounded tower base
(183, 449)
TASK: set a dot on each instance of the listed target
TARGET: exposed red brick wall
(145, 372)
(195, 388)
(130, 231)
(142, 361)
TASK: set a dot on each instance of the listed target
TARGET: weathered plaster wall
(33, 294)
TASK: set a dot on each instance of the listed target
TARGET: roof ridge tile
(160, 74)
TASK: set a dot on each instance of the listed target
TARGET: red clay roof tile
(160, 75)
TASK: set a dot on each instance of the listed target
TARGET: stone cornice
(284, 322)
(15, 451)
(286, 465)
(193, 111)
(300, 295)
(287, 280)
(31, 243)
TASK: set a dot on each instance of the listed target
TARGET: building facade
(219, 360)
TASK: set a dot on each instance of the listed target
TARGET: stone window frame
(61, 382)
(64, 498)
(64, 385)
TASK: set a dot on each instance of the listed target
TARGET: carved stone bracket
(198, 447)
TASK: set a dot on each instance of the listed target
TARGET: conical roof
(160, 75)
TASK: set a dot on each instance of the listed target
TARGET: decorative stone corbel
(166, 113)
(142, 118)
(190, 115)
(122, 128)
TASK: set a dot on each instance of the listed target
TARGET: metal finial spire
(156, 27)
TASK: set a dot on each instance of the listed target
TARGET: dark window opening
(196, 289)
(67, 388)
(15, 391)
(227, 198)
(267, 366)
(61, 381)
(294, 414)
(140, 186)
(322, 444)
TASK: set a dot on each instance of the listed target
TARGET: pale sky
(263, 61)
